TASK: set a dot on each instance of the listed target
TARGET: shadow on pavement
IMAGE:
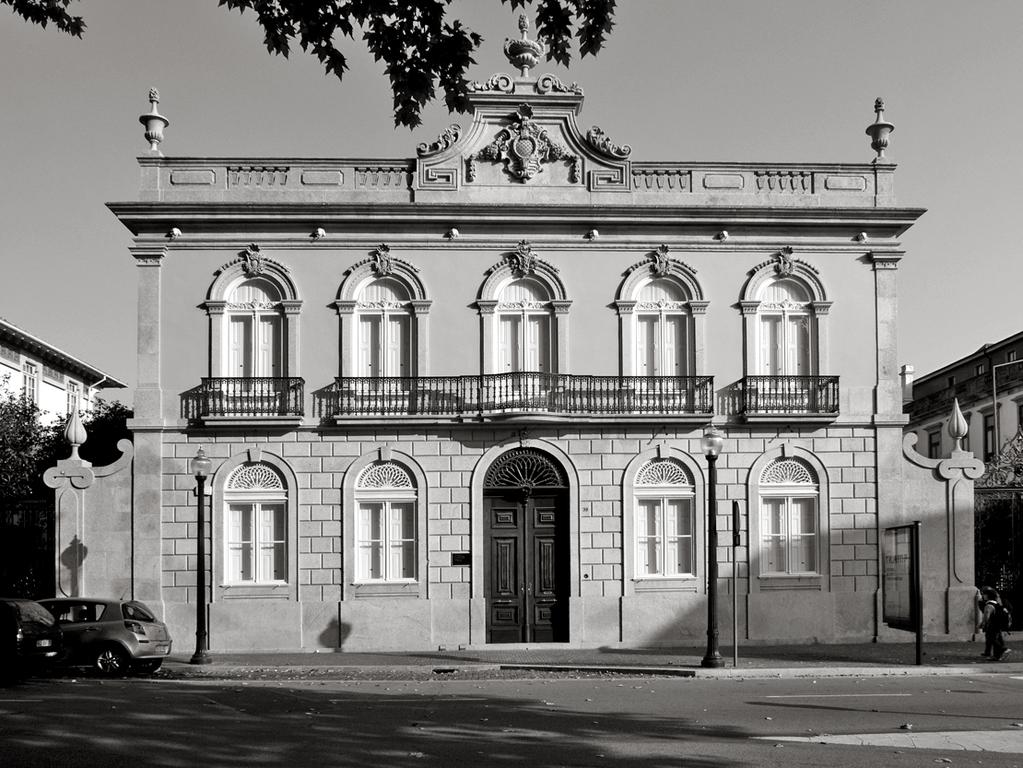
(173, 725)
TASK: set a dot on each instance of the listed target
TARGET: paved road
(555, 721)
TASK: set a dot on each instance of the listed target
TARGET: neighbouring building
(51, 378)
(459, 399)
(989, 387)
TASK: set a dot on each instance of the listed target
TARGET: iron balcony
(789, 395)
(522, 392)
(250, 396)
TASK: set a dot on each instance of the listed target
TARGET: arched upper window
(524, 327)
(255, 526)
(663, 328)
(525, 315)
(663, 528)
(253, 325)
(785, 310)
(386, 524)
(383, 329)
(383, 312)
(789, 537)
(786, 332)
(253, 306)
(661, 311)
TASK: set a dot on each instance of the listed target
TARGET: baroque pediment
(524, 135)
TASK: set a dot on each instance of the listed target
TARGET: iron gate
(26, 548)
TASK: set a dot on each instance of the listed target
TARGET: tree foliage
(28, 446)
(421, 48)
(24, 445)
(45, 12)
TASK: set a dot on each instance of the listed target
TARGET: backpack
(1001, 619)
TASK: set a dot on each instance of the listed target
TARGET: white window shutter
(268, 347)
(369, 346)
(238, 346)
(397, 346)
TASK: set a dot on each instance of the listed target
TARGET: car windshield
(33, 612)
(137, 611)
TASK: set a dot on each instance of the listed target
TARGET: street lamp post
(712, 442)
(200, 466)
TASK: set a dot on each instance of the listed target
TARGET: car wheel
(111, 660)
(148, 666)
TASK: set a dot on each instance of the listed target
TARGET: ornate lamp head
(523, 53)
(878, 130)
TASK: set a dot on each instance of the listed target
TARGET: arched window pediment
(784, 277)
(385, 476)
(523, 264)
(386, 273)
(254, 269)
(255, 478)
(788, 472)
(664, 472)
(658, 277)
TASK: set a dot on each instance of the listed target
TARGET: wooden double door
(526, 565)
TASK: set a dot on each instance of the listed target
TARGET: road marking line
(20, 701)
(832, 695)
(972, 741)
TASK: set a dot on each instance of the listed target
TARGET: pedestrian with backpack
(994, 622)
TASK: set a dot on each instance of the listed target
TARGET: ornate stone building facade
(458, 400)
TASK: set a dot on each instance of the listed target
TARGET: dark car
(28, 635)
(113, 636)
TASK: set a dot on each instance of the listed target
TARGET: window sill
(275, 591)
(780, 416)
(781, 582)
(386, 589)
(656, 584)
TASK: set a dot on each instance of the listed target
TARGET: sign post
(735, 584)
(902, 592)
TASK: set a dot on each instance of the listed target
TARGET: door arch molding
(477, 623)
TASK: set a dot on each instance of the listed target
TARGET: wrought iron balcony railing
(522, 392)
(243, 396)
(766, 395)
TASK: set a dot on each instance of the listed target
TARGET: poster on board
(899, 580)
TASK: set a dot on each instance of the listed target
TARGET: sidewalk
(766, 661)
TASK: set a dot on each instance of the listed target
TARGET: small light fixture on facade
(200, 466)
(154, 122)
(721, 236)
(593, 234)
(712, 443)
(174, 233)
(319, 233)
(452, 234)
(879, 130)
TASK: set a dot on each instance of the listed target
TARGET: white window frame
(74, 397)
(386, 484)
(523, 311)
(680, 488)
(789, 313)
(30, 381)
(384, 312)
(787, 492)
(270, 492)
(255, 312)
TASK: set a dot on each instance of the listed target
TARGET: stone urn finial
(957, 426)
(74, 432)
(878, 130)
(523, 53)
(154, 122)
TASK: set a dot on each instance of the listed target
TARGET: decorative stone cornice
(344, 307)
(486, 306)
(148, 255)
(820, 308)
(499, 82)
(421, 306)
(561, 306)
(291, 306)
(749, 307)
(253, 262)
(625, 306)
(698, 307)
(549, 83)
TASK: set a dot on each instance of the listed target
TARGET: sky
(679, 80)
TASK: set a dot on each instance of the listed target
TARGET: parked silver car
(114, 636)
